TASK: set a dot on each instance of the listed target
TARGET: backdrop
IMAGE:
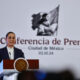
(56, 45)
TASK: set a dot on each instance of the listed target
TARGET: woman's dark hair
(9, 33)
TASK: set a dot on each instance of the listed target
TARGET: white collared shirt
(10, 52)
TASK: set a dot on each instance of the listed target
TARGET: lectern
(8, 66)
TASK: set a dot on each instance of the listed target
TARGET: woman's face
(11, 40)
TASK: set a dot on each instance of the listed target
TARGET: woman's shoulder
(17, 49)
(2, 48)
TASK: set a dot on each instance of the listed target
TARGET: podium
(9, 64)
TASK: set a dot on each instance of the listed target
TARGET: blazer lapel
(15, 56)
(6, 53)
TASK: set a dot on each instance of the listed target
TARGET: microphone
(10, 54)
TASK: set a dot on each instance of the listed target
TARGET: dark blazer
(4, 53)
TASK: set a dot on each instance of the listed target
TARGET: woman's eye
(11, 37)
